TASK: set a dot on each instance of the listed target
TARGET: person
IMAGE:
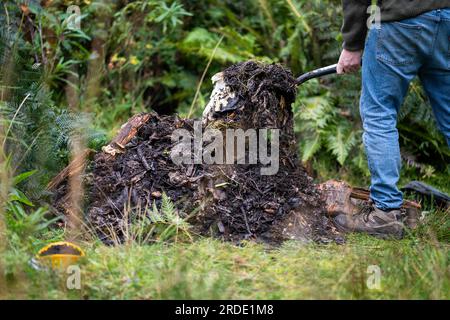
(408, 38)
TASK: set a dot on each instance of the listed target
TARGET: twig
(245, 220)
(197, 92)
(14, 117)
(142, 158)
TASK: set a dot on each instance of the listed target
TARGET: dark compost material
(232, 201)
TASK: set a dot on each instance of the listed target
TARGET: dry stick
(44, 59)
(93, 78)
(5, 178)
(246, 221)
(4, 186)
(14, 118)
(197, 92)
(28, 150)
(7, 14)
(79, 153)
(4, 190)
(298, 15)
(265, 7)
(76, 191)
(75, 167)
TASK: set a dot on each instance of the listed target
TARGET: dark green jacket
(354, 30)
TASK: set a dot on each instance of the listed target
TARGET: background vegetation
(59, 83)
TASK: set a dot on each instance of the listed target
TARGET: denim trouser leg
(435, 71)
(394, 55)
(438, 90)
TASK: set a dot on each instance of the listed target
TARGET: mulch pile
(233, 202)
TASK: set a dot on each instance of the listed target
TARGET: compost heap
(233, 202)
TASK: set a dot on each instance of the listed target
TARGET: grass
(209, 269)
(414, 268)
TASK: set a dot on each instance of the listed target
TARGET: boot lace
(366, 211)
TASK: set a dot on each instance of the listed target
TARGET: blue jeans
(393, 56)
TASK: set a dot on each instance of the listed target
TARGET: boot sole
(374, 234)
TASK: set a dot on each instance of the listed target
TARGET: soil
(137, 178)
(233, 202)
(61, 249)
(264, 95)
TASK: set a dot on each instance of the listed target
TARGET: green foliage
(24, 223)
(322, 127)
(168, 15)
(211, 269)
(340, 141)
(201, 43)
(159, 225)
(134, 56)
(155, 51)
(40, 129)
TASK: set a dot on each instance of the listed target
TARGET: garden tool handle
(317, 73)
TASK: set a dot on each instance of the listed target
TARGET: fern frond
(311, 146)
(167, 207)
(340, 141)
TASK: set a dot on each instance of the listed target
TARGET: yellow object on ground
(60, 254)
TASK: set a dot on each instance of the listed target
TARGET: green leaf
(167, 207)
(21, 177)
(311, 146)
(317, 111)
(17, 195)
(200, 42)
(340, 141)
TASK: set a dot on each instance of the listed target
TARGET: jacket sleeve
(354, 29)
